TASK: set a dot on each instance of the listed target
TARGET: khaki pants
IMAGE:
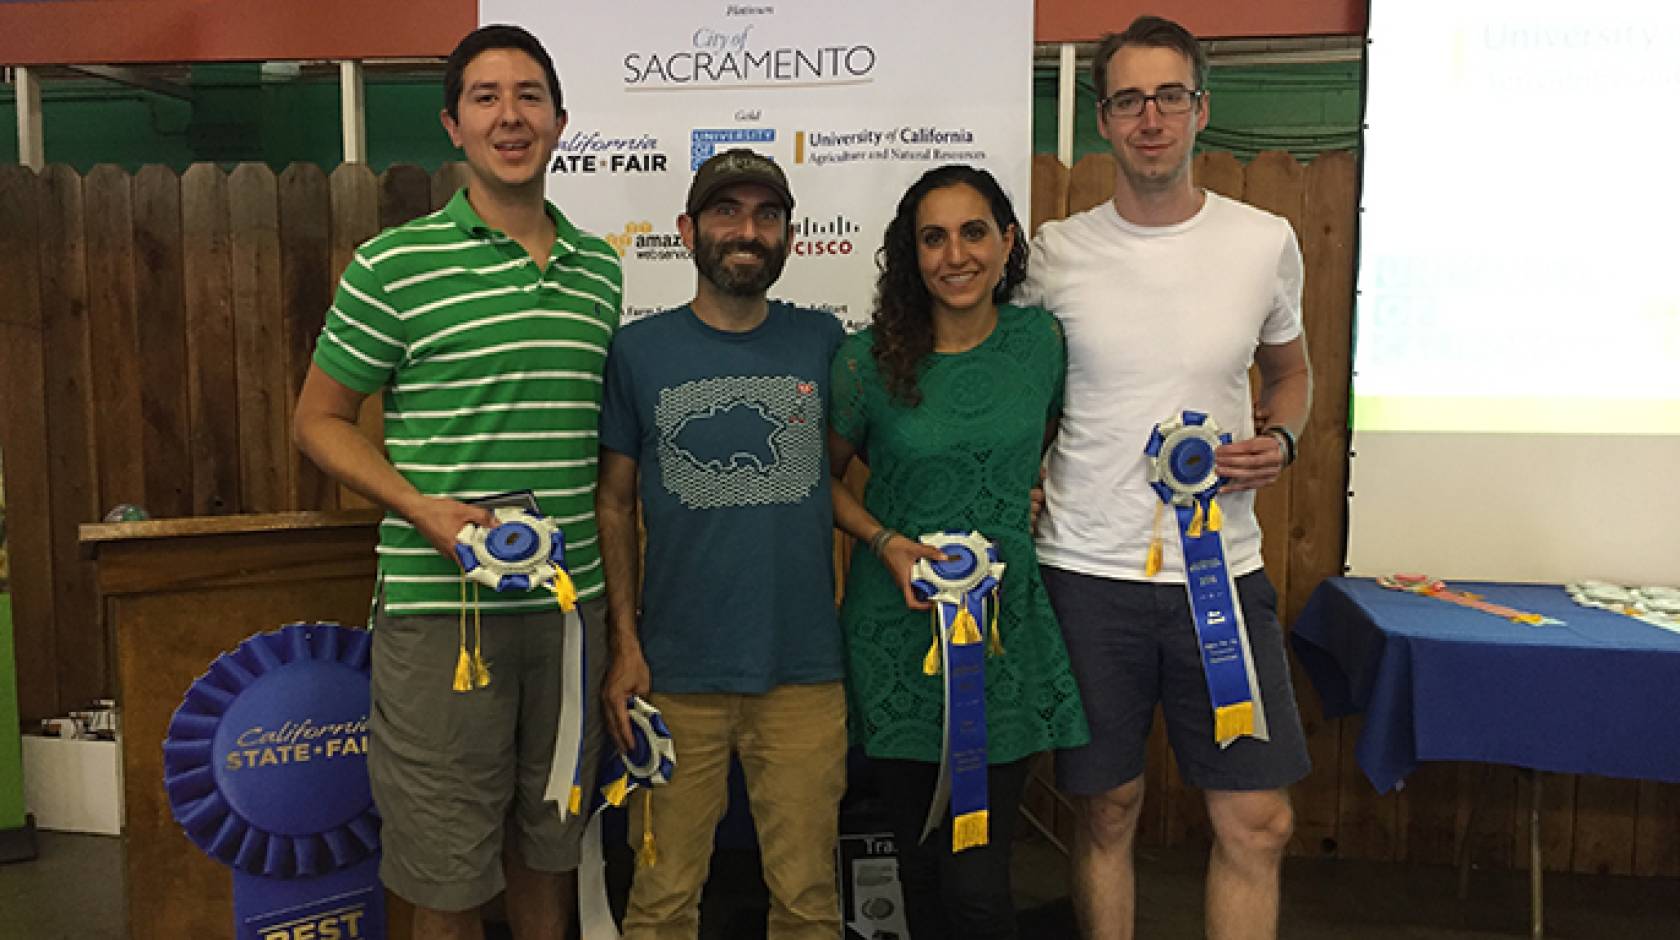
(792, 744)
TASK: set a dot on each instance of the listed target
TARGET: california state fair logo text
(594, 152)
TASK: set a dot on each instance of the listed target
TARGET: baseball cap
(731, 167)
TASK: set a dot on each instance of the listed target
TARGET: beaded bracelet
(1285, 437)
(879, 540)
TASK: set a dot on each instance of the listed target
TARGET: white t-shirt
(1158, 320)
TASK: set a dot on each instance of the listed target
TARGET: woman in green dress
(950, 397)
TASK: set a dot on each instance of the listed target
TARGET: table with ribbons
(1441, 681)
(1523, 675)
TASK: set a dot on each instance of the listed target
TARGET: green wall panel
(238, 114)
(11, 748)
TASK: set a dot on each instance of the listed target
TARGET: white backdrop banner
(854, 99)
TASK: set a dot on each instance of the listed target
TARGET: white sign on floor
(871, 900)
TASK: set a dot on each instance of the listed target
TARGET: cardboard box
(73, 784)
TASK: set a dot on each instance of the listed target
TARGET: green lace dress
(965, 458)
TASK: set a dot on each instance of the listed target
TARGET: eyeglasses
(1169, 99)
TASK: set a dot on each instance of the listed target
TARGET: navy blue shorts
(1133, 645)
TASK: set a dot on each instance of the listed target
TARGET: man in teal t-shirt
(720, 405)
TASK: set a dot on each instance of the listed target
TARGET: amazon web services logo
(640, 241)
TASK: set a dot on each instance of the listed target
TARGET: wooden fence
(154, 330)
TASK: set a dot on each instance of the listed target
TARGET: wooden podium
(176, 594)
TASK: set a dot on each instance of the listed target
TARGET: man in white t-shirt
(1167, 294)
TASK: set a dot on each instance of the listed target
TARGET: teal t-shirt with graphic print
(729, 434)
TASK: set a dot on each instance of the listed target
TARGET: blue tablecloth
(1436, 681)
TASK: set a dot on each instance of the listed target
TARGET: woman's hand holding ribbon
(900, 554)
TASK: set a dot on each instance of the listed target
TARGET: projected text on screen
(1519, 268)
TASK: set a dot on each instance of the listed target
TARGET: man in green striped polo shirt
(485, 326)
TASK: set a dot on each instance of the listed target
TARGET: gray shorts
(459, 776)
(1133, 644)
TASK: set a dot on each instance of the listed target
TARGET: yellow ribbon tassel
(615, 792)
(930, 664)
(463, 663)
(480, 669)
(969, 830)
(1152, 565)
(463, 666)
(565, 592)
(996, 648)
(1232, 721)
(1195, 530)
(1216, 519)
(965, 631)
(574, 800)
(648, 855)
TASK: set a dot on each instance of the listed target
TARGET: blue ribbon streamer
(348, 904)
(1184, 477)
(1219, 629)
(965, 717)
(960, 587)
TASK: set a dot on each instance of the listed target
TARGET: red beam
(1087, 20)
(91, 32)
(95, 32)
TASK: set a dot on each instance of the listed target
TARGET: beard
(739, 280)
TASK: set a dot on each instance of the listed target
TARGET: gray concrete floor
(73, 891)
(1337, 899)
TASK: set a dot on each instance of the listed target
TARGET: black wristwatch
(1287, 438)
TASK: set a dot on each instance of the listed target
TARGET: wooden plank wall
(154, 330)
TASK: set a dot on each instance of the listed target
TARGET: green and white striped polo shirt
(492, 382)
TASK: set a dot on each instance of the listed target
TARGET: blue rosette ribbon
(652, 762)
(1182, 473)
(265, 770)
(963, 591)
(521, 552)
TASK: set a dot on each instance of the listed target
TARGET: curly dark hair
(902, 319)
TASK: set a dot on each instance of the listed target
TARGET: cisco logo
(812, 238)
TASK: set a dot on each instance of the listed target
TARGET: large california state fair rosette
(265, 769)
